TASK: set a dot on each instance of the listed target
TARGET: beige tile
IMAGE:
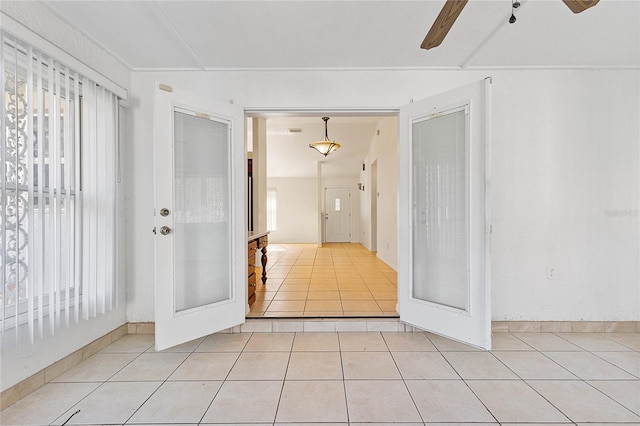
(423, 365)
(407, 342)
(98, 368)
(149, 367)
(323, 295)
(224, 342)
(591, 406)
(269, 342)
(245, 402)
(136, 343)
(360, 306)
(627, 361)
(351, 326)
(385, 295)
(296, 281)
(46, 404)
(388, 306)
(533, 365)
(508, 342)
(396, 406)
(361, 342)
(316, 342)
(264, 295)
(499, 326)
(546, 342)
(369, 365)
(294, 287)
(260, 305)
(205, 366)
(291, 295)
(478, 365)
(593, 342)
(111, 403)
(588, 366)
(626, 393)
(513, 401)
(312, 401)
(314, 366)
(177, 402)
(630, 340)
(323, 305)
(356, 295)
(447, 401)
(287, 306)
(260, 366)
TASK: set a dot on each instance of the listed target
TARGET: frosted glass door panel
(440, 203)
(202, 225)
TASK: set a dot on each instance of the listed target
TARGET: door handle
(326, 216)
(165, 230)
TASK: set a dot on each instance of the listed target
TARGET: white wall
(384, 151)
(18, 363)
(297, 204)
(565, 152)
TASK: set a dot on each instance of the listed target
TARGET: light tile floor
(337, 280)
(347, 379)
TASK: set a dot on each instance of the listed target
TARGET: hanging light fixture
(326, 146)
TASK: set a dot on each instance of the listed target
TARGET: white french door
(200, 235)
(443, 275)
(337, 215)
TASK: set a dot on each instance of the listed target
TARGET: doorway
(374, 206)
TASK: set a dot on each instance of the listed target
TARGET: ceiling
(172, 34)
(323, 34)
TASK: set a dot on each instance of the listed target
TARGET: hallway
(336, 280)
(347, 379)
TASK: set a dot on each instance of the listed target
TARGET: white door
(337, 215)
(200, 219)
(444, 252)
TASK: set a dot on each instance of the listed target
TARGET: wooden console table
(256, 241)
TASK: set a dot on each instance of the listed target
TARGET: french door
(443, 276)
(200, 235)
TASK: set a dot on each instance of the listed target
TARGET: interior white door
(337, 214)
(200, 235)
(444, 284)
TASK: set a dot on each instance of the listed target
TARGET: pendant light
(326, 146)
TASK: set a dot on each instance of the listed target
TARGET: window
(57, 189)
(272, 210)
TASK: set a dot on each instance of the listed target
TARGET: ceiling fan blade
(443, 23)
(578, 6)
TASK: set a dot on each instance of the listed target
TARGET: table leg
(263, 260)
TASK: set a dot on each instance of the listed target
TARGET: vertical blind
(58, 202)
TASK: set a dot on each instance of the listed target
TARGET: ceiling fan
(452, 8)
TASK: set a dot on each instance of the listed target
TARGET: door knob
(165, 230)
(164, 212)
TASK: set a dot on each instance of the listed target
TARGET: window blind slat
(30, 185)
(40, 252)
(57, 214)
(50, 277)
(100, 158)
(77, 253)
(68, 235)
(14, 199)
